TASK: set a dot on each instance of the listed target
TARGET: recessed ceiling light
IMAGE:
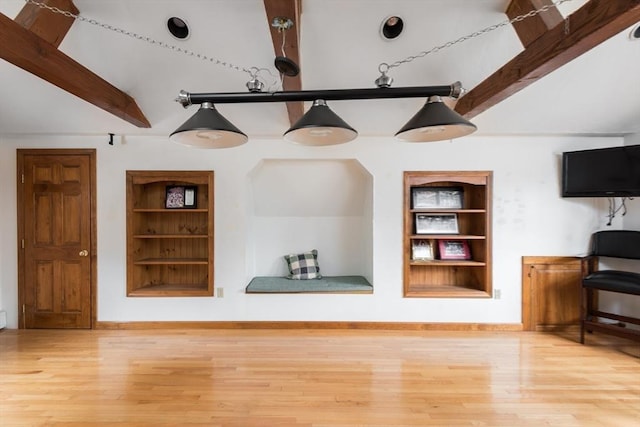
(178, 28)
(635, 33)
(391, 27)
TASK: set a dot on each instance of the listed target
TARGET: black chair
(611, 244)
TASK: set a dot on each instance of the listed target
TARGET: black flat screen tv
(604, 172)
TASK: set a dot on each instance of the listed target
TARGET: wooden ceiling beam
(46, 24)
(288, 9)
(533, 27)
(592, 24)
(26, 50)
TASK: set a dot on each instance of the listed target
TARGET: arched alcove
(297, 205)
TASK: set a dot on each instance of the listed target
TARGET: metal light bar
(453, 91)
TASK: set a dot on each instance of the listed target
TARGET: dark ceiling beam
(533, 27)
(586, 28)
(35, 55)
(288, 9)
(49, 26)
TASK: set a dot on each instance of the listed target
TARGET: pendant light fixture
(320, 126)
(208, 129)
(435, 122)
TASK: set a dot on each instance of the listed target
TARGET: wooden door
(56, 238)
(551, 292)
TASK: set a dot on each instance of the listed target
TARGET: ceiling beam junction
(533, 27)
(586, 28)
(52, 27)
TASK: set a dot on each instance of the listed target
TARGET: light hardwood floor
(316, 378)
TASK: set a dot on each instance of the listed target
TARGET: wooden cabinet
(169, 249)
(467, 229)
(551, 292)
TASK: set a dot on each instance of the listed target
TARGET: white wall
(296, 205)
(529, 218)
(8, 257)
(632, 139)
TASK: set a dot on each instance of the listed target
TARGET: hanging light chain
(251, 71)
(384, 67)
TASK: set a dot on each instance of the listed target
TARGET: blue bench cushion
(328, 284)
(614, 281)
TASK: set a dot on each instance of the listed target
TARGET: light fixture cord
(385, 67)
(284, 37)
(251, 71)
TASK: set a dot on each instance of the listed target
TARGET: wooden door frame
(91, 152)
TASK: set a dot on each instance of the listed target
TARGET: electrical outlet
(220, 292)
(497, 293)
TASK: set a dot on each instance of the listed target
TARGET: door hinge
(22, 243)
(24, 317)
(22, 178)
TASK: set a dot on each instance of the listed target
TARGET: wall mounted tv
(604, 172)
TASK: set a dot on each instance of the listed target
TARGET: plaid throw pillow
(303, 266)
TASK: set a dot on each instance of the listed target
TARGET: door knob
(84, 252)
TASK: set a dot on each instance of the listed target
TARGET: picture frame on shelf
(423, 250)
(427, 223)
(437, 197)
(181, 197)
(454, 250)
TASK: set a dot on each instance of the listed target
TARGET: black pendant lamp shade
(435, 122)
(320, 126)
(207, 128)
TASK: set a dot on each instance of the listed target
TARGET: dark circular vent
(392, 27)
(178, 28)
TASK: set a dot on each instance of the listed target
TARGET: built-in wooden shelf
(446, 236)
(448, 263)
(170, 289)
(446, 291)
(448, 278)
(169, 250)
(170, 236)
(465, 211)
(172, 261)
(171, 211)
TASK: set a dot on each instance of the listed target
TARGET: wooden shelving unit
(169, 251)
(450, 278)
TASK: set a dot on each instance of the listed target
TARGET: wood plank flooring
(316, 378)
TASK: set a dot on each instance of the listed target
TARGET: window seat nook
(327, 284)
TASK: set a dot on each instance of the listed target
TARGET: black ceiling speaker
(284, 65)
